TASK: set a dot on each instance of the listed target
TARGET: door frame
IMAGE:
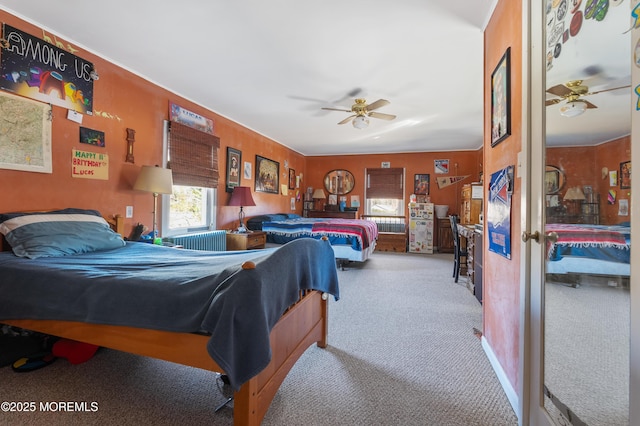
(531, 367)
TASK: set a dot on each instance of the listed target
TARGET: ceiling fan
(361, 112)
(572, 92)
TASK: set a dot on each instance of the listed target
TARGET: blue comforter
(147, 286)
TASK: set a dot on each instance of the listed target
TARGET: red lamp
(241, 196)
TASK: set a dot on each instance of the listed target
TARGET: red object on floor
(75, 352)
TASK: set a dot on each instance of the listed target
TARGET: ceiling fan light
(573, 108)
(360, 122)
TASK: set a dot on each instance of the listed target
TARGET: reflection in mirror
(586, 293)
(339, 182)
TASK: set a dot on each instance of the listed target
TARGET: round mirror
(554, 179)
(339, 182)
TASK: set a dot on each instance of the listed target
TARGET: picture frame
(625, 175)
(234, 160)
(267, 176)
(501, 99)
(292, 178)
(421, 184)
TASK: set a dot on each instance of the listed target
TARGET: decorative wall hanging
(292, 179)
(89, 165)
(267, 175)
(441, 166)
(131, 138)
(92, 137)
(247, 170)
(191, 119)
(234, 159)
(25, 134)
(501, 99)
(443, 182)
(625, 175)
(42, 71)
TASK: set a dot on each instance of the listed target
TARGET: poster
(35, 69)
(499, 212)
(89, 165)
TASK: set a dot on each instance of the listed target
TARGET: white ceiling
(271, 65)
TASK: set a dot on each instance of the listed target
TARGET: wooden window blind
(193, 156)
(385, 183)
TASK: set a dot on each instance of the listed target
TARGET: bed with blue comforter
(228, 301)
(589, 249)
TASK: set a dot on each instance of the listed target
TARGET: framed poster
(267, 175)
(292, 178)
(421, 184)
(625, 175)
(499, 212)
(501, 100)
(234, 159)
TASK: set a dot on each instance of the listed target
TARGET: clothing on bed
(147, 286)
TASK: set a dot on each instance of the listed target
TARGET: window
(193, 158)
(384, 194)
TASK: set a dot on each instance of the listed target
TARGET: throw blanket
(364, 230)
(587, 236)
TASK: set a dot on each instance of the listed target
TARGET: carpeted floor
(402, 351)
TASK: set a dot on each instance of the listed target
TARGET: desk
(471, 238)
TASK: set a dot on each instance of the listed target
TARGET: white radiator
(210, 240)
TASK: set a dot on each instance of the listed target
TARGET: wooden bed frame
(304, 323)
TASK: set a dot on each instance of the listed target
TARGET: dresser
(246, 241)
(444, 235)
(336, 215)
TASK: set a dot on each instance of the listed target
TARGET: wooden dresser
(246, 241)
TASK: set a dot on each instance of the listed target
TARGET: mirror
(586, 298)
(554, 180)
(339, 182)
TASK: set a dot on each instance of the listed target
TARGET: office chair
(458, 251)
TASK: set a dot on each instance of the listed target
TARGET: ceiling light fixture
(361, 122)
(573, 108)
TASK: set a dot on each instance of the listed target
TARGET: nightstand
(246, 241)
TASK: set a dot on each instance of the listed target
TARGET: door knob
(552, 237)
(526, 236)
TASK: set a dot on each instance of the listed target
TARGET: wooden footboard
(302, 325)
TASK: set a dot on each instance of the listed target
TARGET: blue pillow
(58, 233)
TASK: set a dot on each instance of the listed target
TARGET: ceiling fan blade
(381, 115)
(606, 90)
(589, 104)
(559, 90)
(336, 109)
(348, 119)
(553, 101)
(377, 104)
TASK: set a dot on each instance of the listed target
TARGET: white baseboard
(512, 395)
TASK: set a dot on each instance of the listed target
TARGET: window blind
(193, 156)
(385, 183)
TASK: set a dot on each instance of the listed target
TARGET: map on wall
(25, 134)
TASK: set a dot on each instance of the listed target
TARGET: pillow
(58, 233)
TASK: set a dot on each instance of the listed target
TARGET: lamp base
(242, 229)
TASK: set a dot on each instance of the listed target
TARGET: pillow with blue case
(58, 233)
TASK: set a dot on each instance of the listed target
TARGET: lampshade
(360, 122)
(573, 108)
(318, 194)
(574, 193)
(154, 179)
(241, 196)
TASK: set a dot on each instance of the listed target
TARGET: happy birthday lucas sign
(89, 165)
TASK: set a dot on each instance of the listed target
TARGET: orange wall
(583, 166)
(501, 276)
(460, 163)
(129, 101)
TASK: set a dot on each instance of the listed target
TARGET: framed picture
(625, 175)
(501, 100)
(234, 159)
(292, 178)
(267, 175)
(421, 184)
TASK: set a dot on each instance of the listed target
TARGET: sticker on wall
(105, 114)
(89, 165)
(441, 166)
(611, 196)
(613, 178)
(92, 137)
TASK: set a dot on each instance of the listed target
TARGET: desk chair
(458, 251)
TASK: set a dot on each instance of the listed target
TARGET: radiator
(210, 240)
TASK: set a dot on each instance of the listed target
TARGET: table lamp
(157, 181)
(574, 195)
(241, 196)
(318, 194)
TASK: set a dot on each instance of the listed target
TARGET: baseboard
(512, 395)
